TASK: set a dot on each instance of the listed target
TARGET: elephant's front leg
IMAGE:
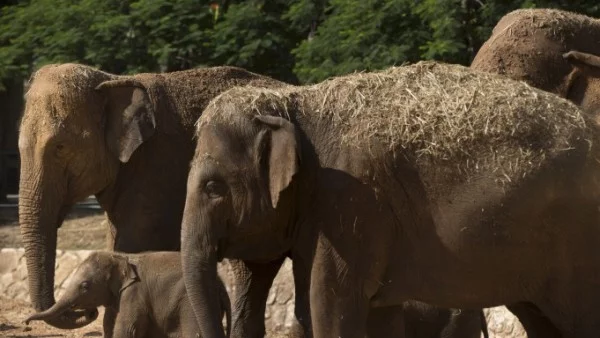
(253, 281)
(302, 326)
(339, 305)
(108, 323)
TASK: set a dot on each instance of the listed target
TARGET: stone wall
(280, 304)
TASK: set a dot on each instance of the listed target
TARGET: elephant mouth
(221, 249)
(89, 314)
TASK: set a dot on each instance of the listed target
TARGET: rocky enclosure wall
(280, 304)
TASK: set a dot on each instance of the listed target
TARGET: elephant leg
(111, 233)
(252, 281)
(337, 311)
(339, 307)
(108, 323)
(302, 326)
(465, 323)
(386, 322)
(129, 324)
(535, 323)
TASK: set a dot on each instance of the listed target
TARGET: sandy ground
(82, 230)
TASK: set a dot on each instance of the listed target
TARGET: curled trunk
(62, 308)
(39, 218)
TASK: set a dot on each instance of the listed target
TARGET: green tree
(361, 35)
(253, 35)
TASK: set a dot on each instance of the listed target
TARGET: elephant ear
(583, 58)
(283, 154)
(130, 116)
(583, 83)
(124, 275)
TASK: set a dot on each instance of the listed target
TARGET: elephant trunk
(39, 218)
(62, 308)
(199, 263)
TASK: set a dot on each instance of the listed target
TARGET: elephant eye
(59, 148)
(85, 286)
(215, 189)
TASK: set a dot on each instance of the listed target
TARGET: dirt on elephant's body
(528, 45)
(468, 122)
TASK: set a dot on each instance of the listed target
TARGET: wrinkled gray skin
(271, 181)
(551, 50)
(144, 295)
(128, 140)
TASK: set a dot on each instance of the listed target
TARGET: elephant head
(78, 125)
(583, 83)
(98, 281)
(238, 203)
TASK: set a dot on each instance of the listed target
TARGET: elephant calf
(144, 295)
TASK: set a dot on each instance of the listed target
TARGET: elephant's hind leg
(574, 312)
(386, 322)
(535, 323)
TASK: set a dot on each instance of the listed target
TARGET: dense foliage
(293, 40)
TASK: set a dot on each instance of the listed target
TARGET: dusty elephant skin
(142, 293)
(128, 140)
(553, 50)
(556, 51)
(431, 182)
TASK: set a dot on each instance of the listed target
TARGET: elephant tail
(484, 327)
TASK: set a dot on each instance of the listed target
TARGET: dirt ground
(82, 230)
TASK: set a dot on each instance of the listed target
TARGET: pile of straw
(429, 112)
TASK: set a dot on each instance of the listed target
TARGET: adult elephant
(128, 140)
(431, 182)
(553, 50)
(556, 51)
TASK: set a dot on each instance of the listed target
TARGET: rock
(502, 323)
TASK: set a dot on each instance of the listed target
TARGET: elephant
(128, 140)
(431, 182)
(419, 322)
(550, 49)
(543, 47)
(143, 294)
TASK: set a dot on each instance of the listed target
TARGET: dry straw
(430, 113)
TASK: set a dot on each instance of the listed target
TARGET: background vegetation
(294, 40)
(298, 41)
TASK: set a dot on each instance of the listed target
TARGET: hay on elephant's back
(447, 114)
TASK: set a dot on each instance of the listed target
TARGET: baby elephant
(143, 294)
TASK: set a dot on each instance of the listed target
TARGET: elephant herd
(431, 183)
